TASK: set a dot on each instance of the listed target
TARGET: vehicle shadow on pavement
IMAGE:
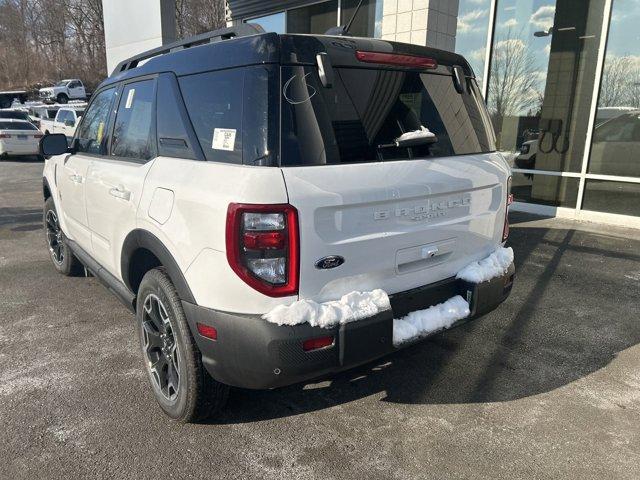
(572, 310)
(22, 159)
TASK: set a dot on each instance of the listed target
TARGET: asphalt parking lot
(547, 386)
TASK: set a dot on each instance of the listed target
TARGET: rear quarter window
(233, 113)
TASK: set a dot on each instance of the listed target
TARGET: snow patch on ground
(351, 307)
(493, 266)
(425, 322)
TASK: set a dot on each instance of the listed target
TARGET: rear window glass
(16, 115)
(362, 115)
(233, 114)
(17, 126)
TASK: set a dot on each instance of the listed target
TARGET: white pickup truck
(65, 121)
(64, 90)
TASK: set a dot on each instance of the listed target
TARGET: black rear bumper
(253, 353)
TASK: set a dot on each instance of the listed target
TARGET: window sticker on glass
(100, 132)
(130, 95)
(224, 139)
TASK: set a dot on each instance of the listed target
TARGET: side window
(91, 134)
(73, 85)
(134, 128)
(214, 102)
(62, 116)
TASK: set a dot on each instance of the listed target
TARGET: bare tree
(620, 82)
(199, 16)
(512, 85)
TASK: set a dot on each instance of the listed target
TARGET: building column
(132, 27)
(431, 23)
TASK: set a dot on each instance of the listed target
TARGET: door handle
(75, 178)
(120, 192)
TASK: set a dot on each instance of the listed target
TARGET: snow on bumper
(359, 305)
(484, 270)
(351, 307)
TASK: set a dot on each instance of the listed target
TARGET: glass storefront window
(271, 23)
(471, 33)
(368, 21)
(612, 197)
(545, 189)
(615, 148)
(542, 79)
(316, 18)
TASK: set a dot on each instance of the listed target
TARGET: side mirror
(53, 144)
(69, 123)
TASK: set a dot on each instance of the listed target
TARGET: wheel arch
(142, 251)
(46, 190)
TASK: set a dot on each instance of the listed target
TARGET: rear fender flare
(144, 239)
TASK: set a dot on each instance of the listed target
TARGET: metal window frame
(577, 213)
(286, 12)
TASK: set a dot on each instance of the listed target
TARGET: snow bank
(493, 266)
(351, 307)
(424, 322)
(424, 132)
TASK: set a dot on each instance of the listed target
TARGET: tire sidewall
(65, 267)
(152, 283)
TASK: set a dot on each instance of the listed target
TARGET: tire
(168, 348)
(62, 98)
(63, 260)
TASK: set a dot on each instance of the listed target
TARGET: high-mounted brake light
(505, 230)
(262, 247)
(397, 59)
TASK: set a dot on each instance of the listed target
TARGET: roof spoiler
(241, 30)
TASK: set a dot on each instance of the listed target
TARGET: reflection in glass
(471, 33)
(368, 21)
(615, 146)
(316, 18)
(541, 80)
(271, 23)
(545, 189)
(612, 197)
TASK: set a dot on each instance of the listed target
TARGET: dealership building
(561, 79)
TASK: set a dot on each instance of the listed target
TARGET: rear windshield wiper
(412, 139)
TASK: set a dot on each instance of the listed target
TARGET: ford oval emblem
(332, 261)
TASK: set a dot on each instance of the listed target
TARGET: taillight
(397, 59)
(262, 247)
(505, 230)
(38, 135)
(5, 135)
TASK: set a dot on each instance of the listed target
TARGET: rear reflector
(317, 343)
(397, 59)
(207, 331)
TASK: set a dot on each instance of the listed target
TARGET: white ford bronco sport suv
(275, 208)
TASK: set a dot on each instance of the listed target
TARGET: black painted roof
(286, 49)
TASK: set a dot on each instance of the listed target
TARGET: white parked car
(278, 207)
(65, 121)
(18, 137)
(64, 90)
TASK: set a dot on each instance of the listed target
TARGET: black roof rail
(241, 30)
